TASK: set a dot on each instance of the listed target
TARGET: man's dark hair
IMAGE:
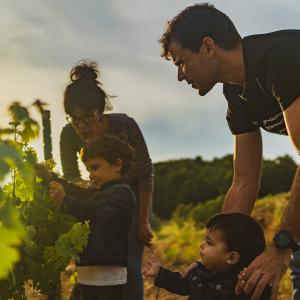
(194, 23)
(110, 148)
(241, 233)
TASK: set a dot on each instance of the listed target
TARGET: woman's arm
(144, 171)
(70, 144)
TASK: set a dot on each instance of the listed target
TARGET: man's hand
(187, 270)
(269, 267)
(145, 234)
(152, 267)
(57, 192)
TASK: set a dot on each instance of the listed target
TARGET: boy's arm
(101, 206)
(43, 172)
(73, 189)
(172, 282)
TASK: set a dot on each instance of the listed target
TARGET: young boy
(231, 242)
(102, 267)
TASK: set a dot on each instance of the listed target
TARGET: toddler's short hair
(241, 234)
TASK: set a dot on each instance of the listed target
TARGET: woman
(85, 103)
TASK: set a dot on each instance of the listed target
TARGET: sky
(40, 41)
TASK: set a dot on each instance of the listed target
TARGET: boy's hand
(151, 268)
(57, 192)
(43, 172)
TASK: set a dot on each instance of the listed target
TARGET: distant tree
(194, 181)
(277, 175)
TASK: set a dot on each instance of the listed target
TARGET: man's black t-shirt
(272, 70)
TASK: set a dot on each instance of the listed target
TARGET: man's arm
(246, 182)
(247, 170)
(271, 265)
(290, 220)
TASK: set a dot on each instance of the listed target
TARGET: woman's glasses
(86, 120)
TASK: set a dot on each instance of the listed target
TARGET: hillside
(194, 181)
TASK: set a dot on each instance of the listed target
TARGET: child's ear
(118, 165)
(232, 258)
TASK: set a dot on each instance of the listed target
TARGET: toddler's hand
(152, 267)
(57, 192)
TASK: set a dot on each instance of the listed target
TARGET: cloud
(41, 40)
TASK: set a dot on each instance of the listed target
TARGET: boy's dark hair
(191, 25)
(85, 89)
(110, 148)
(241, 234)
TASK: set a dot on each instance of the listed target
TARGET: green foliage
(277, 175)
(180, 242)
(189, 181)
(37, 239)
(194, 181)
(13, 157)
(68, 245)
(203, 211)
(199, 213)
(52, 239)
(11, 232)
(25, 126)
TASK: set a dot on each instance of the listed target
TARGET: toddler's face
(213, 251)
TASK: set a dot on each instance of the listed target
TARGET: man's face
(101, 171)
(199, 69)
(213, 251)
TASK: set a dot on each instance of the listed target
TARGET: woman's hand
(145, 234)
(57, 192)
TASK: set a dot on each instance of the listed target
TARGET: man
(261, 81)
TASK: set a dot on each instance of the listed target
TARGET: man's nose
(180, 74)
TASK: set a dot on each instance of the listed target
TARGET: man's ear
(232, 258)
(118, 165)
(208, 47)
